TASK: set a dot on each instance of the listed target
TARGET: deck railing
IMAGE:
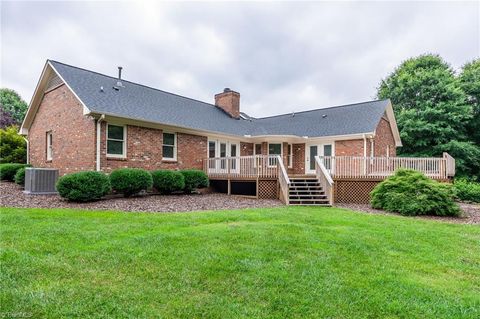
(381, 167)
(323, 176)
(266, 166)
(248, 167)
(284, 181)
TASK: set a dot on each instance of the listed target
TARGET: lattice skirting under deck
(353, 191)
(267, 189)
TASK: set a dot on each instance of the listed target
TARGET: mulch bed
(11, 195)
(471, 213)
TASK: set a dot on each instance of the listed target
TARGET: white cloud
(280, 56)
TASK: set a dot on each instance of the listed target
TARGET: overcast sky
(280, 56)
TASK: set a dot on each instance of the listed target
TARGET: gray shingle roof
(141, 102)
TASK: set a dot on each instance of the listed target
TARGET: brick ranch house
(81, 120)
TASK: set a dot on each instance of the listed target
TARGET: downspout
(28, 149)
(99, 132)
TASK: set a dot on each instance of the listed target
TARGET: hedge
(194, 179)
(8, 171)
(20, 176)
(168, 181)
(84, 186)
(467, 190)
(130, 181)
(409, 192)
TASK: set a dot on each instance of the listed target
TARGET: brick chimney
(229, 101)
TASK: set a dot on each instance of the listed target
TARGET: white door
(221, 150)
(313, 150)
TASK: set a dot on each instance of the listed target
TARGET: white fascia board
(393, 124)
(86, 110)
(38, 96)
(28, 114)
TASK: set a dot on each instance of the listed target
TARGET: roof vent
(120, 72)
(101, 89)
(226, 90)
(293, 114)
(324, 115)
(115, 88)
(119, 83)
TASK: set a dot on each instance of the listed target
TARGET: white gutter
(99, 132)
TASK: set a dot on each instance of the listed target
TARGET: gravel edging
(11, 195)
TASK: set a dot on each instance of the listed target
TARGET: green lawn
(293, 262)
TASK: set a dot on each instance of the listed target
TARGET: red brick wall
(298, 152)
(246, 149)
(230, 102)
(73, 133)
(144, 150)
(384, 137)
(349, 148)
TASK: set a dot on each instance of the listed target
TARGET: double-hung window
(169, 147)
(116, 136)
(49, 146)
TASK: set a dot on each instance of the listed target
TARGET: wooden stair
(307, 191)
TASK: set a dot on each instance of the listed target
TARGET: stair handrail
(324, 178)
(283, 180)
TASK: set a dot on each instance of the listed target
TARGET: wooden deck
(338, 167)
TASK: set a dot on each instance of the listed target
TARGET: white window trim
(174, 158)
(124, 148)
(255, 148)
(49, 136)
(290, 156)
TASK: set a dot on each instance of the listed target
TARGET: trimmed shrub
(20, 176)
(8, 171)
(167, 181)
(467, 190)
(83, 186)
(409, 192)
(130, 181)
(194, 179)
